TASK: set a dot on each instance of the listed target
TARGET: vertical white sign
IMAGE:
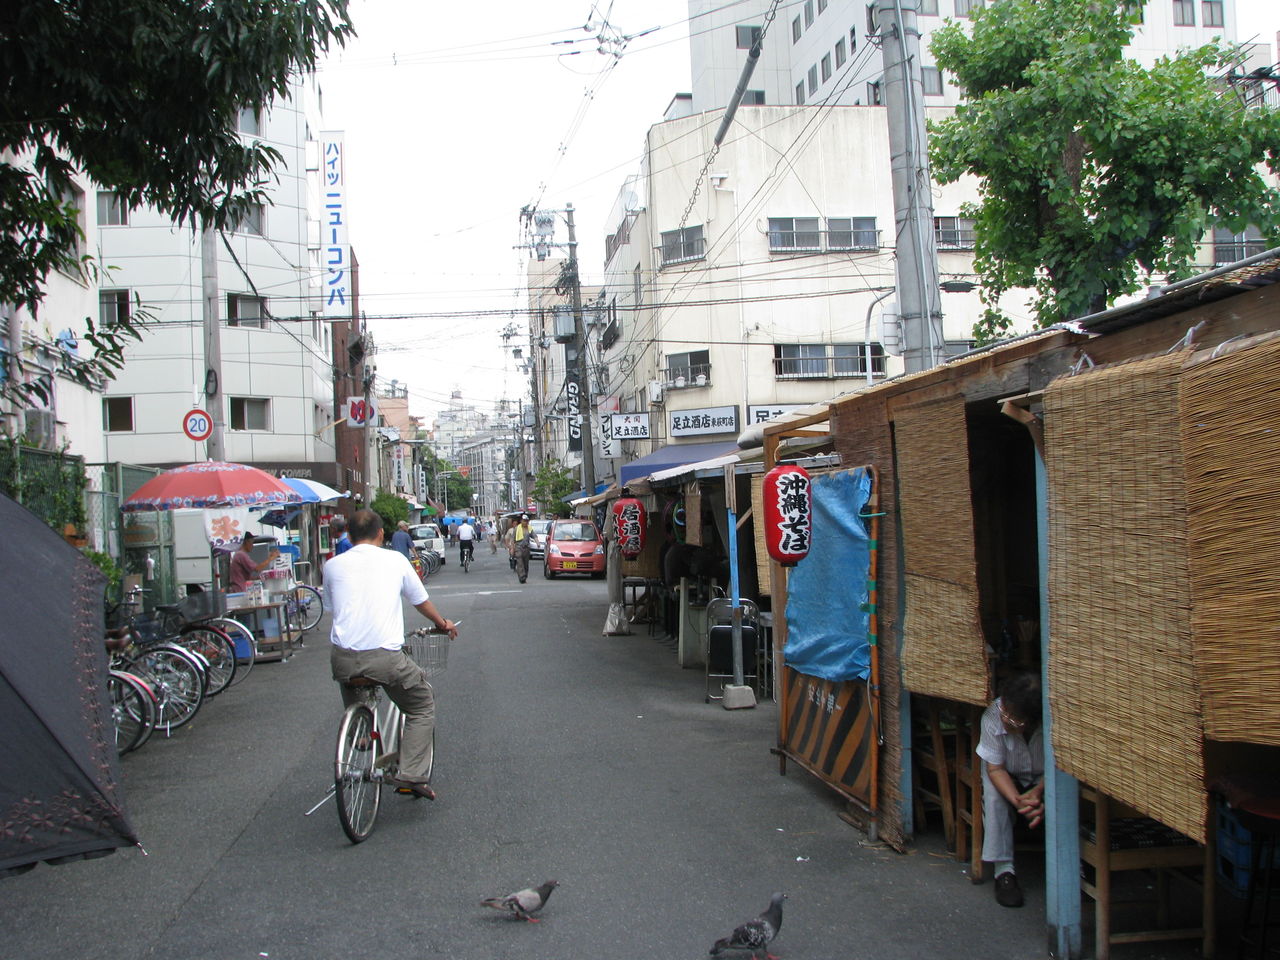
(335, 253)
(397, 466)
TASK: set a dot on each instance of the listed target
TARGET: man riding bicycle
(363, 588)
(466, 541)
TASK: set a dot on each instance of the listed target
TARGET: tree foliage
(551, 484)
(1094, 171)
(391, 509)
(143, 96)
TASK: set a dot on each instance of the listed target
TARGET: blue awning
(601, 487)
(673, 455)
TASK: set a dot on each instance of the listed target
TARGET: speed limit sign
(197, 424)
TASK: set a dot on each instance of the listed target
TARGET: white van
(426, 536)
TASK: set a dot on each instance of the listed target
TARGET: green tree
(444, 476)
(391, 509)
(143, 96)
(1094, 171)
(551, 484)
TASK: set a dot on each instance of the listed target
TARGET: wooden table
(270, 648)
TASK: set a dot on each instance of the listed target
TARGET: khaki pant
(406, 684)
(522, 558)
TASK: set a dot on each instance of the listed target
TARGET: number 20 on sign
(197, 424)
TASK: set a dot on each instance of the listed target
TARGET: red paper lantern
(629, 521)
(788, 513)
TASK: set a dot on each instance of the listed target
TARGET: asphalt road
(561, 754)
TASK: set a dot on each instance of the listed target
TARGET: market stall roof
(601, 487)
(673, 455)
(313, 491)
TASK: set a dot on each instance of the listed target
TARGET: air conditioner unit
(655, 391)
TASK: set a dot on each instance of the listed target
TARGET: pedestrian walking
(518, 546)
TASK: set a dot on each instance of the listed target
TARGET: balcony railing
(816, 241)
(691, 375)
(683, 252)
(1225, 252)
(827, 368)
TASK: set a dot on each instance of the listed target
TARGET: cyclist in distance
(466, 541)
(364, 587)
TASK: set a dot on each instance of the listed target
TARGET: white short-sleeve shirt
(1022, 758)
(363, 589)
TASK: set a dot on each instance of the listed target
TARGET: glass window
(813, 79)
(808, 13)
(874, 97)
(929, 8)
(852, 233)
(111, 210)
(681, 245)
(953, 233)
(252, 220)
(246, 311)
(690, 369)
(800, 94)
(1211, 11)
(113, 307)
(1184, 13)
(1135, 10)
(117, 414)
(799, 360)
(250, 413)
(249, 122)
(1228, 247)
(822, 5)
(826, 67)
(787, 234)
(841, 56)
(965, 8)
(795, 30)
(747, 36)
(932, 81)
(753, 98)
(850, 359)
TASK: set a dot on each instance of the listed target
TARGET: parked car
(538, 537)
(427, 536)
(573, 546)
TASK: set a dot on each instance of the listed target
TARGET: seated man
(1012, 748)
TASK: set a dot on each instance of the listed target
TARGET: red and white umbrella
(211, 484)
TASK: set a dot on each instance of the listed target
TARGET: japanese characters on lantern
(788, 513)
(629, 522)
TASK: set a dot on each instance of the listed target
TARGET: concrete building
(277, 386)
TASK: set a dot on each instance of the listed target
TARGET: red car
(573, 546)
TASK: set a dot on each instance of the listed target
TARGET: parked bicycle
(177, 677)
(367, 753)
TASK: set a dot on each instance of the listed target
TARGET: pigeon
(522, 903)
(755, 934)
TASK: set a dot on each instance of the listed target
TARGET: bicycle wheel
(308, 605)
(358, 793)
(176, 680)
(433, 562)
(132, 710)
(246, 645)
(217, 648)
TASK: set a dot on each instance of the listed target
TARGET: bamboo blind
(1231, 440)
(1125, 701)
(944, 652)
(757, 529)
(693, 513)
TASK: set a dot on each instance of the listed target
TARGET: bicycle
(305, 606)
(466, 553)
(368, 748)
(176, 677)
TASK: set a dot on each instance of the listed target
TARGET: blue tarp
(827, 615)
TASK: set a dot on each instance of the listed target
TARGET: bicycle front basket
(430, 651)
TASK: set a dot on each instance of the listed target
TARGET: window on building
(813, 79)
(932, 81)
(822, 5)
(113, 307)
(953, 233)
(928, 8)
(1135, 9)
(253, 220)
(1228, 246)
(795, 30)
(965, 8)
(800, 94)
(692, 369)
(637, 287)
(853, 39)
(1184, 13)
(872, 25)
(246, 311)
(850, 359)
(789, 234)
(679, 246)
(117, 414)
(72, 196)
(841, 56)
(249, 122)
(747, 36)
(852, 233)
(111, 209)
(250, 413)
(808, 13)
(798, 361)
(1211, 12)
(826, 67)
(753, 98)
(874, 94)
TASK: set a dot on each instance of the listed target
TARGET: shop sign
(703, 421)
(629, 524)
(761, 413)
(788, 513)
(335, 252)
(574, 411)
(141, 531)
(629, 426)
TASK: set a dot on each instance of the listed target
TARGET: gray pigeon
(522, 903)
(755, 934)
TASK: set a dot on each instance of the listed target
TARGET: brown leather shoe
(413, 788)
(1008, 890)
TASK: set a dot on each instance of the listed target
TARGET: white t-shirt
(363, 588)
(1022, 758)
(466, 532)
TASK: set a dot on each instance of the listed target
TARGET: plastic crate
(429, 650)
(1235, 852)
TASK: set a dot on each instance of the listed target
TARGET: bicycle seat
(169, 607)
(361, 682)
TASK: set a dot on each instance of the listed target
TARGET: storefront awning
(674, 455)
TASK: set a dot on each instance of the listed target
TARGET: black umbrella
(60, 796)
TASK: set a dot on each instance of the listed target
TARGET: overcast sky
(458, 115)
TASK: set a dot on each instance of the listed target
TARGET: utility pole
(212, 340)
(586, 405)
(917, 256)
